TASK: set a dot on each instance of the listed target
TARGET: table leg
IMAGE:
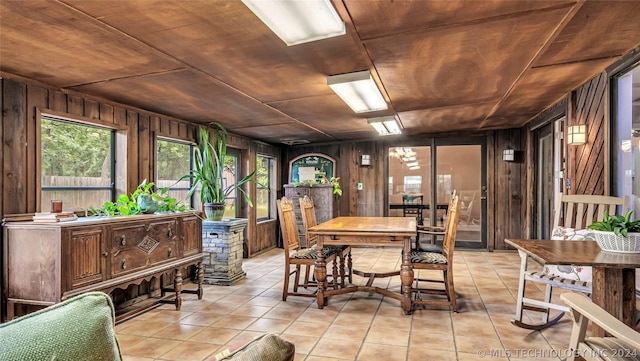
(406, 276)
(614, 291)
(320, 270)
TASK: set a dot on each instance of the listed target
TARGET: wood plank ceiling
(443, 65)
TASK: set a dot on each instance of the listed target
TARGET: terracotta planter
(214, 211)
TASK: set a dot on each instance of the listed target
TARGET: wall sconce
(358, 90)
(297, 22)
(509, 155)
(385, 125)
(577, 134)
(365, 160)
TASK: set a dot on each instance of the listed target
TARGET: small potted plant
(208, 173)
(142, 200)
(617, 233)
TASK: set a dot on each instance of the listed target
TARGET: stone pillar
(222, 245)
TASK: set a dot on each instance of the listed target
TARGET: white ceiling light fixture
(414, 164)
(358, 90)
(297, 22)
(385, 125)
(414, 167)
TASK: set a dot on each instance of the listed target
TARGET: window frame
(118, 156)
(192, 146)
(271, 177)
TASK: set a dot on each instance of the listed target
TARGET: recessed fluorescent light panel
(358, 90)
(298, 21)
(385, 125)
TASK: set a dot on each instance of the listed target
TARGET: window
(77, 164)
(265, 179)
(412, 183)
(173, 160)
(626, 125)
(230, 176)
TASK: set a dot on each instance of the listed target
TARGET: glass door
(433, 172)
(461, 167)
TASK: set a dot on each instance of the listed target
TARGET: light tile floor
(357, 326)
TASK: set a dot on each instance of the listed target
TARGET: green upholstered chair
(80, 328)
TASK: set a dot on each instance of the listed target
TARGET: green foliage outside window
(75, 150)
(173, 159)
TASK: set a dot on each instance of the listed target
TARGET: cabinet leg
(177, 287)
(11, 309)
(200, 279)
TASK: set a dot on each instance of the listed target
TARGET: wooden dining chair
(412, 206)
(440, 262)
(428, 232)
(573, 213)
(309, 219)
(295, 256)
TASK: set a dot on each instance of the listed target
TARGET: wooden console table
(45, 263)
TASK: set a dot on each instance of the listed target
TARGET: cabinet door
(323, 201)
(191, 233)
(140, 245)
(87, 260)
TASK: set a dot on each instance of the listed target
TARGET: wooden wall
(507, 202)
(506, 195)
(586, 163)
(19, 184)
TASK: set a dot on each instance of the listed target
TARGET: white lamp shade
(508, 155)
(358, 90)
(297, 22)
(577, 134)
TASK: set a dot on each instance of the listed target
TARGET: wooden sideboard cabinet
(45, 263)
(322, 196)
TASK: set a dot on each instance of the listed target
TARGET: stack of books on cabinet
(48, 217)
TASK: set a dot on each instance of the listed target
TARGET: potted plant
(617, 233)
(142, 200)
(208, 173)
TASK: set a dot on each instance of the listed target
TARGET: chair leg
(287, 275)
(297, 279)
(451, 292)
(335, 274)
(521, 286)
(342, 271)
(350, 267)
(307, 273)
(547, 299)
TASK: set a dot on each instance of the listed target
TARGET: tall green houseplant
(208, 172)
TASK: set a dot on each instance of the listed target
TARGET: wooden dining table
(371, 232)
(614, 279)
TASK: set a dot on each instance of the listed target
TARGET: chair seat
(312, 253)
(428, 257)
(558, 281)
(610, 348)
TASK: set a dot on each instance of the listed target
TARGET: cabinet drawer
(142, 245)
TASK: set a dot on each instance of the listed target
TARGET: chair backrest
(580, 210)
(308, 211)
(412, 206)
(451, 227)
(288, 224)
